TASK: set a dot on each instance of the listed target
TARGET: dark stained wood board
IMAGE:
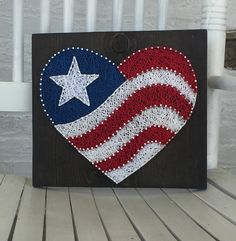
(182, 163)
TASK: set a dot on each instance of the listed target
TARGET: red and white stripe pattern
(141, 117)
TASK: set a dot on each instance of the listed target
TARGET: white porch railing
(15, 95)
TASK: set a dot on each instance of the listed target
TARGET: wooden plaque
(182, 163)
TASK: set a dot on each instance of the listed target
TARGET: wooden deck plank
(219, 201)
(30, 220)
(1, 178)
(171, 215)
(59, 226)
(148, 214)
(205, 216)
(143, 218)
(10, 193)
(223, 180)
(118, 226)
(87, 221)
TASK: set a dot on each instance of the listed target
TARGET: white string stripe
(158, 76)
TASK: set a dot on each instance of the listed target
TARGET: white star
(74, 84)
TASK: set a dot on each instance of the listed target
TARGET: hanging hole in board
(120, 43)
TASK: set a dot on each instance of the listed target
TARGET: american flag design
(118, 117)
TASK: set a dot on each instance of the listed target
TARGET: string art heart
(118, 117)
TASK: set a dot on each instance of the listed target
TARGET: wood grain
(206, 217)
(113, 216)
(29, 225)
(223, 180)
(171, 215)
(141, 216)
(86, 215)
(181, 164)
(219, 201)
(10, 194)
(58, 216)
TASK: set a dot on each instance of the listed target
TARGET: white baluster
(117, 15)
(162, 7)
(214, 20)
(16, 95)
(91, 15)
(18, 41)
(68, 15)
(138, 16)
(45, 16)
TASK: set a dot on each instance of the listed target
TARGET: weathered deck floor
(99, 214)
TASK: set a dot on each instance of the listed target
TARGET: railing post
(214, 20)
(68, 15)
(117, 15)
(18, 41)
(162, 7)
(91, 15)
(45, 16)
(138, 15)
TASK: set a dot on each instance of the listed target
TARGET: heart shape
(119, 118)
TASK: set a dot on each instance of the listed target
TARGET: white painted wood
(138, 15)
(29, 225)
(218, 200)
(88, 224)
(15, 96)
(18, 41)
(186, 214)
(91, 15)
(116, 222)
(45, 16)
(214, 20)
(171, 214)
(214, 15)
(205, 216)
(162, 8)
(143, 218)
(117, 15)
(213, 124)
(223, 180)
(10, 193)
(58, 215)
(224, 82)
(68, 15)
